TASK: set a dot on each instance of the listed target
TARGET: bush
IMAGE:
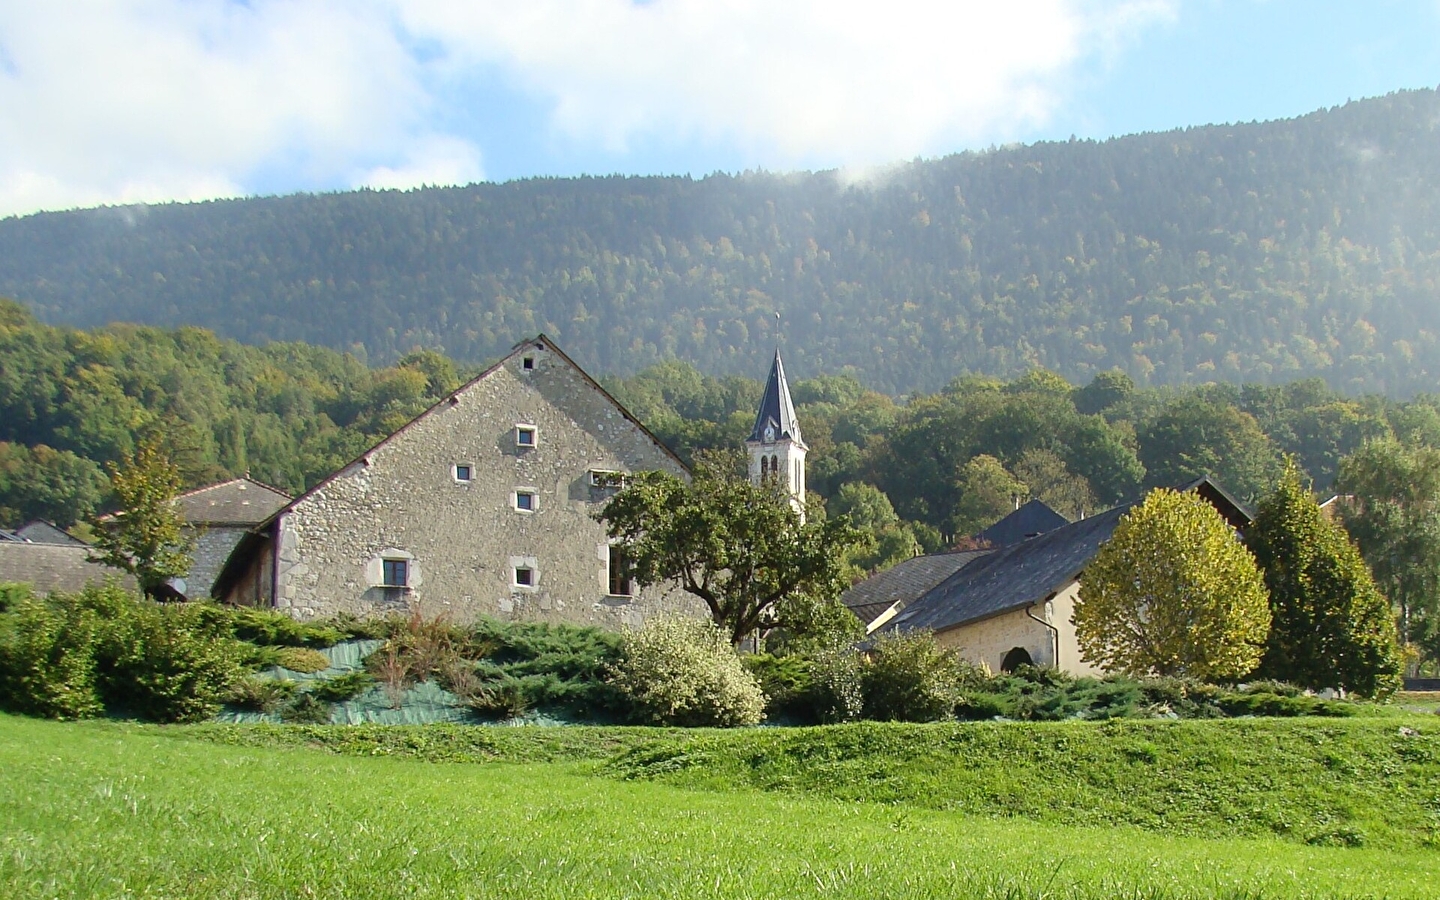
(560, 667)
(267, 628)
(302, 660)
(684, 672)
(340, 688)
(837, 686)
(47, 660)
(11, 594)
(306, 709)
(157, 662)
(786, 682)
(258, 694)
(911, 679)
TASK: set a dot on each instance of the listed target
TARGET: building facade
(483, 505)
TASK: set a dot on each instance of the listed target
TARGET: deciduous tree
(1330, 625)
(146, 537)
(737, 546)
(1173, 592)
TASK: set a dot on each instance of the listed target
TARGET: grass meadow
(112, 810)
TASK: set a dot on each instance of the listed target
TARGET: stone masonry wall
(463, 540)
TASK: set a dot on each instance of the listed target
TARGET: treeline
(72, 401)
(1261, 253)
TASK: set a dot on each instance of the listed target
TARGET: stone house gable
(482, 505)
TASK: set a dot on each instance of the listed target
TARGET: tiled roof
(42, 532)
(904, 582)
(241, 501)
(1032, 519)
(54, 567)
(1012, 578)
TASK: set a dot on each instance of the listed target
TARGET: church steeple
(776, 449)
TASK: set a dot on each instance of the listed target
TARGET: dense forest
(1261, 253)
(918, 473)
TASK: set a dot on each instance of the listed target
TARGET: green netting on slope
(422, 704)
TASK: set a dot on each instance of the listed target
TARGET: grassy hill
(1261, 252)
(105, 810)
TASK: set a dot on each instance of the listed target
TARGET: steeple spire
(777, 452)
(776, 419)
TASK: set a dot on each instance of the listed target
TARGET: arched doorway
(1017, 657)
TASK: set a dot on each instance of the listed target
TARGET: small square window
(606, 480)
(528, 362)
(524, 576)
(525, 501)
(395, 572)
(464, 473)
(525, 435)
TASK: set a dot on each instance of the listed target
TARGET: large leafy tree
(1194, 436)
(739, 547)
(1330, 625)
(1173, 592)
(1391, 507)
(146, 536)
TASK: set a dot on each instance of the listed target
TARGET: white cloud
(106, 102)
(842, 81)
(435, 159)
(150, 100)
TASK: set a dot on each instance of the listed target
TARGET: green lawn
(110, 810)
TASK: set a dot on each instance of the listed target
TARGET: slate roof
(776, 408)
(1012, 578)
(240, 501)
(41, 532)
(904, 582)
(54, 567)
(1032, 519)
(11, 536)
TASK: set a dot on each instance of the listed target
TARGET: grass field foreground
(105, 810)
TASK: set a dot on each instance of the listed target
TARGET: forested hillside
(1260, 253)
(914, 473)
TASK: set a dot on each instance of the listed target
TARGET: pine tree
(1330, 626)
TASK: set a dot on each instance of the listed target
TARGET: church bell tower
(777, 453)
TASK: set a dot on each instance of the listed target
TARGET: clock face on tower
(769, 434)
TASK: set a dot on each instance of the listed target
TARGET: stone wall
(462, 540)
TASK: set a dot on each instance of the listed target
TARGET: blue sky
(156, 100)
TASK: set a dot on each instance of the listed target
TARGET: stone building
(482, 505)
(217, 517)
(1015, 605)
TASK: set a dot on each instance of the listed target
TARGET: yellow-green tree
(1173, 592)
(146, 537)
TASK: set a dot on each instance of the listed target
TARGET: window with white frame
(395, 573)
(524, 576)
(526, 436)
(606, 479)
(464, 473)
(526, 500)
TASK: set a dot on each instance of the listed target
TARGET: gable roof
(904, 582)
(1028, 572)
(251, 542)
(11, 536)
(1032, 519)
(240, 501)
(54, 567)
(1012, 578)
(38, 531)
(776, 408)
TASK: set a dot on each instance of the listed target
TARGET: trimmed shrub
(911, 679)
(302, 660)
(786, 682)
(11, 594)
(684, 672)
